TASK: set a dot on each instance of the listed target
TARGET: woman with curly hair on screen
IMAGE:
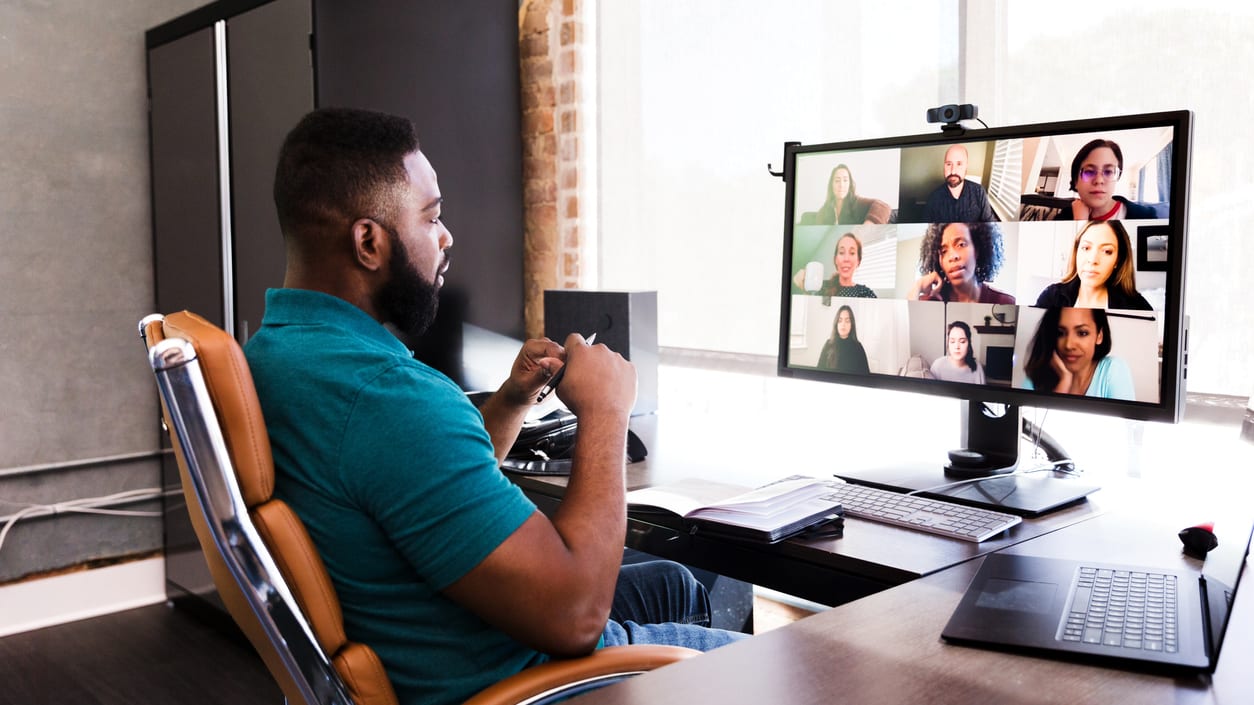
(957, 260)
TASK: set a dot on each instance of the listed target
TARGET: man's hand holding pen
(557, 377)
(594, 379)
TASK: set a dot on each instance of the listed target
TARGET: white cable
(87, 505)
(13, 520)
(1055, 465)
(986, 478)
(1040, 430)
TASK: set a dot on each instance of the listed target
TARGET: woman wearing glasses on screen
(959, 364)
(842, 352)
(844, 206)
(1095, 173)
(1100, 273)
(957, 261)
(1070, 354)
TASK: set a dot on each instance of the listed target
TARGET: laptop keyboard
(1124, 608)
(933, 516)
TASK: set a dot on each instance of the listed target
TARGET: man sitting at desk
(442, 565)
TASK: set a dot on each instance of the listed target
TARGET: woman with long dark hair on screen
(1100, 273)
(1070, 354)
(843, 205)
(959, 364)
(842, 352)
(957, 261)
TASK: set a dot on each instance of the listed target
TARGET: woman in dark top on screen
(846, 258)
(1095, 173)
(842, 352)
(844, 206)
(957, 261)
(1100, 273)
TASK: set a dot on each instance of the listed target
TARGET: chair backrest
(264, 564)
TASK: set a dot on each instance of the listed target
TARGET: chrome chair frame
(182, 388)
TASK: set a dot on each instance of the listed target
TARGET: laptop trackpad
(1012, 601)
(1017, 595)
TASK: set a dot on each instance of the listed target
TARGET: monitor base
(1026, 495)
(967, 463)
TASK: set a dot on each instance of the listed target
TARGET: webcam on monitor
(951, 114)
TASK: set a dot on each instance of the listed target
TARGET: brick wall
(550, 36)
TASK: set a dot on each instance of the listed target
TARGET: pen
(557, 377)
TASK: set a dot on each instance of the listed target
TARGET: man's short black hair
(341, 164)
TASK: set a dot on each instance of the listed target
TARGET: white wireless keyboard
(933, 516)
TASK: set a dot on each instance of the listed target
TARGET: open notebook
(770, 513)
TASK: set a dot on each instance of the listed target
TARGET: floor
(159, 654)
(770, 614)
(154, 654)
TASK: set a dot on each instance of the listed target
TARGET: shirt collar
(303, 307)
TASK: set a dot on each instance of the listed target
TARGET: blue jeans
(660, 602)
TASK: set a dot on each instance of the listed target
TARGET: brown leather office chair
(264, 564)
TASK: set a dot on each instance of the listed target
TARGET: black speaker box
(625, 321)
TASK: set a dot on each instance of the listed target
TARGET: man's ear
(371, 244)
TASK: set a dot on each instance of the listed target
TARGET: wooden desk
(870, 556)
(886, 648)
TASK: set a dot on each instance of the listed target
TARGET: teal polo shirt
(392, 471)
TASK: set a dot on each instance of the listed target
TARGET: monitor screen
(1036, 265)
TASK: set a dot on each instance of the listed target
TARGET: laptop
(1104, 613)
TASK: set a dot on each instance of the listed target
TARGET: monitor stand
(991, 452)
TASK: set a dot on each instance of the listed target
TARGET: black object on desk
(625, 321)
(1028, 495)
(544, 445)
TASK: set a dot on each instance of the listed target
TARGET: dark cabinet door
(451, 67)
(187, 244)
(270, 84)
(187, 226)
(242, 83)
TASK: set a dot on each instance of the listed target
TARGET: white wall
(75, 274)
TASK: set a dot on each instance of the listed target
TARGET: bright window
(696, 97)
(1164, 56)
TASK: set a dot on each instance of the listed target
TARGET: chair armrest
(555, 676)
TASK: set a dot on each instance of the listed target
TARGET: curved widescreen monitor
(1036, 265)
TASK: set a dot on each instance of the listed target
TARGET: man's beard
(953, 180)
(407, 300)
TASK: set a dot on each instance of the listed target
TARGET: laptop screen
(1220, 574)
